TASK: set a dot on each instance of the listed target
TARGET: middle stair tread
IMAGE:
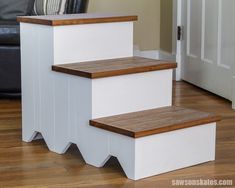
(113, 67)
(154, 121)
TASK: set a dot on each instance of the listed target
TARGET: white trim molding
(178, 19)
(155, 54)
(174, 27)
(233, 93)
(166, 56)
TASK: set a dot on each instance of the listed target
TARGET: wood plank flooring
(32, 165)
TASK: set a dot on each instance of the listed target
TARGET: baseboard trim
(233, 93)
(166, 56)
(155, 54)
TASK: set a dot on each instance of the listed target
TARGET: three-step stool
(82, 85)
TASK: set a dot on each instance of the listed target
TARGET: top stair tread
(113, 67)
(155, 121)
(77, 19)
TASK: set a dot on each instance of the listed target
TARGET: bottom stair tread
(154, 121)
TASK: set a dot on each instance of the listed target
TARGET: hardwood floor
(32, 165)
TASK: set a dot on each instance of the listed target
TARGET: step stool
(106, 81)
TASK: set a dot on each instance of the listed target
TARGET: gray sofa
(10, 78)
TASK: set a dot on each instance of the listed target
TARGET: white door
(208, 45)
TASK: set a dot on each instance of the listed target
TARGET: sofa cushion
(9, 33)
(49, 7)
(10, 9)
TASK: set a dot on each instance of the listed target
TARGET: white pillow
(49, 7)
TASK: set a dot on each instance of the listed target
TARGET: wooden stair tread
(113, 67)
(155, 121)
(77, 19)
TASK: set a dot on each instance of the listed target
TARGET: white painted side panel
(93, 42)
(62, 113)
(72, 114)
(174, 150)
(79, 97)
(123, 148)
(46, 86)
(92, 142)
(37, 81)
(130, 93)
(28, 68)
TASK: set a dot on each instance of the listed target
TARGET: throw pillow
(49, 7)
(10, 9)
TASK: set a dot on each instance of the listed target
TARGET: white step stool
(59, 106)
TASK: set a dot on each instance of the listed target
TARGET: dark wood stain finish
(113, 67)
(77, 19)
(155, 121)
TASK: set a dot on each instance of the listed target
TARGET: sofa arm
(9, 33)
(76, 6)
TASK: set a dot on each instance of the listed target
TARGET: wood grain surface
(155, 121)
(77, 19)
(31, 165)
(113, 67)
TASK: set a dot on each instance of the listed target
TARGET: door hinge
(179, 32)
